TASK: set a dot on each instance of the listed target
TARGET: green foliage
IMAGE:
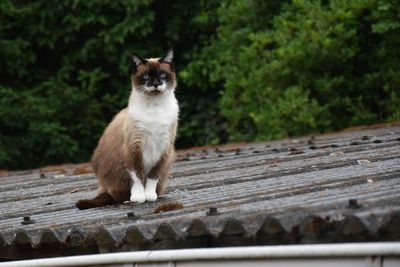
(305, 66)
(65, 70)
(247, 70)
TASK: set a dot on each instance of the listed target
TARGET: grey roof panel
(342, 187)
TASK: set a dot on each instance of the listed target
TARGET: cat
(136, 150)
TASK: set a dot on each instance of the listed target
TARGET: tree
(247, 70)
(304, 66)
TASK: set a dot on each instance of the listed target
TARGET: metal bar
(347, 250)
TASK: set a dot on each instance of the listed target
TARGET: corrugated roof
(341, 187)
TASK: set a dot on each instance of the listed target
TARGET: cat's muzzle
(153, 92)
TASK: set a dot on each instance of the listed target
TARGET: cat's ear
(169, 56)
(137, 60)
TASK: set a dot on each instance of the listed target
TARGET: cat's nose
(155, 84)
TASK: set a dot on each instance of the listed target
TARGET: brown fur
(119, 150)
(100, 200)
(153, 63)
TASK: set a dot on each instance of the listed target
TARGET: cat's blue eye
(163, 75)
(145, 76)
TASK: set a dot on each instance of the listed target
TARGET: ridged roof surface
(342, 187)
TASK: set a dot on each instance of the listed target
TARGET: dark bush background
(247, 70)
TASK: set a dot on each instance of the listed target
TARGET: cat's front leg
(156, 175)
(134, 165)
(137, 190)
(150, 189)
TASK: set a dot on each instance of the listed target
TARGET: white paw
(150, 189)
(138, 197)
(151, 196)
(137, 190)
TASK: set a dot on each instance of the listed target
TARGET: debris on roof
(341, 187)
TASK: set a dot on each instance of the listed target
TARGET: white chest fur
(154, 116)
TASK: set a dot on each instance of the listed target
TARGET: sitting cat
(134, 155)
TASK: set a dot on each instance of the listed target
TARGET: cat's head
(153, 76)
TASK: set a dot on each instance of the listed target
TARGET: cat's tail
(100, 200)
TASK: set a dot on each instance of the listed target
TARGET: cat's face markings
(153, 76)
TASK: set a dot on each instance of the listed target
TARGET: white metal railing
(344, 254)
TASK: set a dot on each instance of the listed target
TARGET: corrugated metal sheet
(332, 188)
